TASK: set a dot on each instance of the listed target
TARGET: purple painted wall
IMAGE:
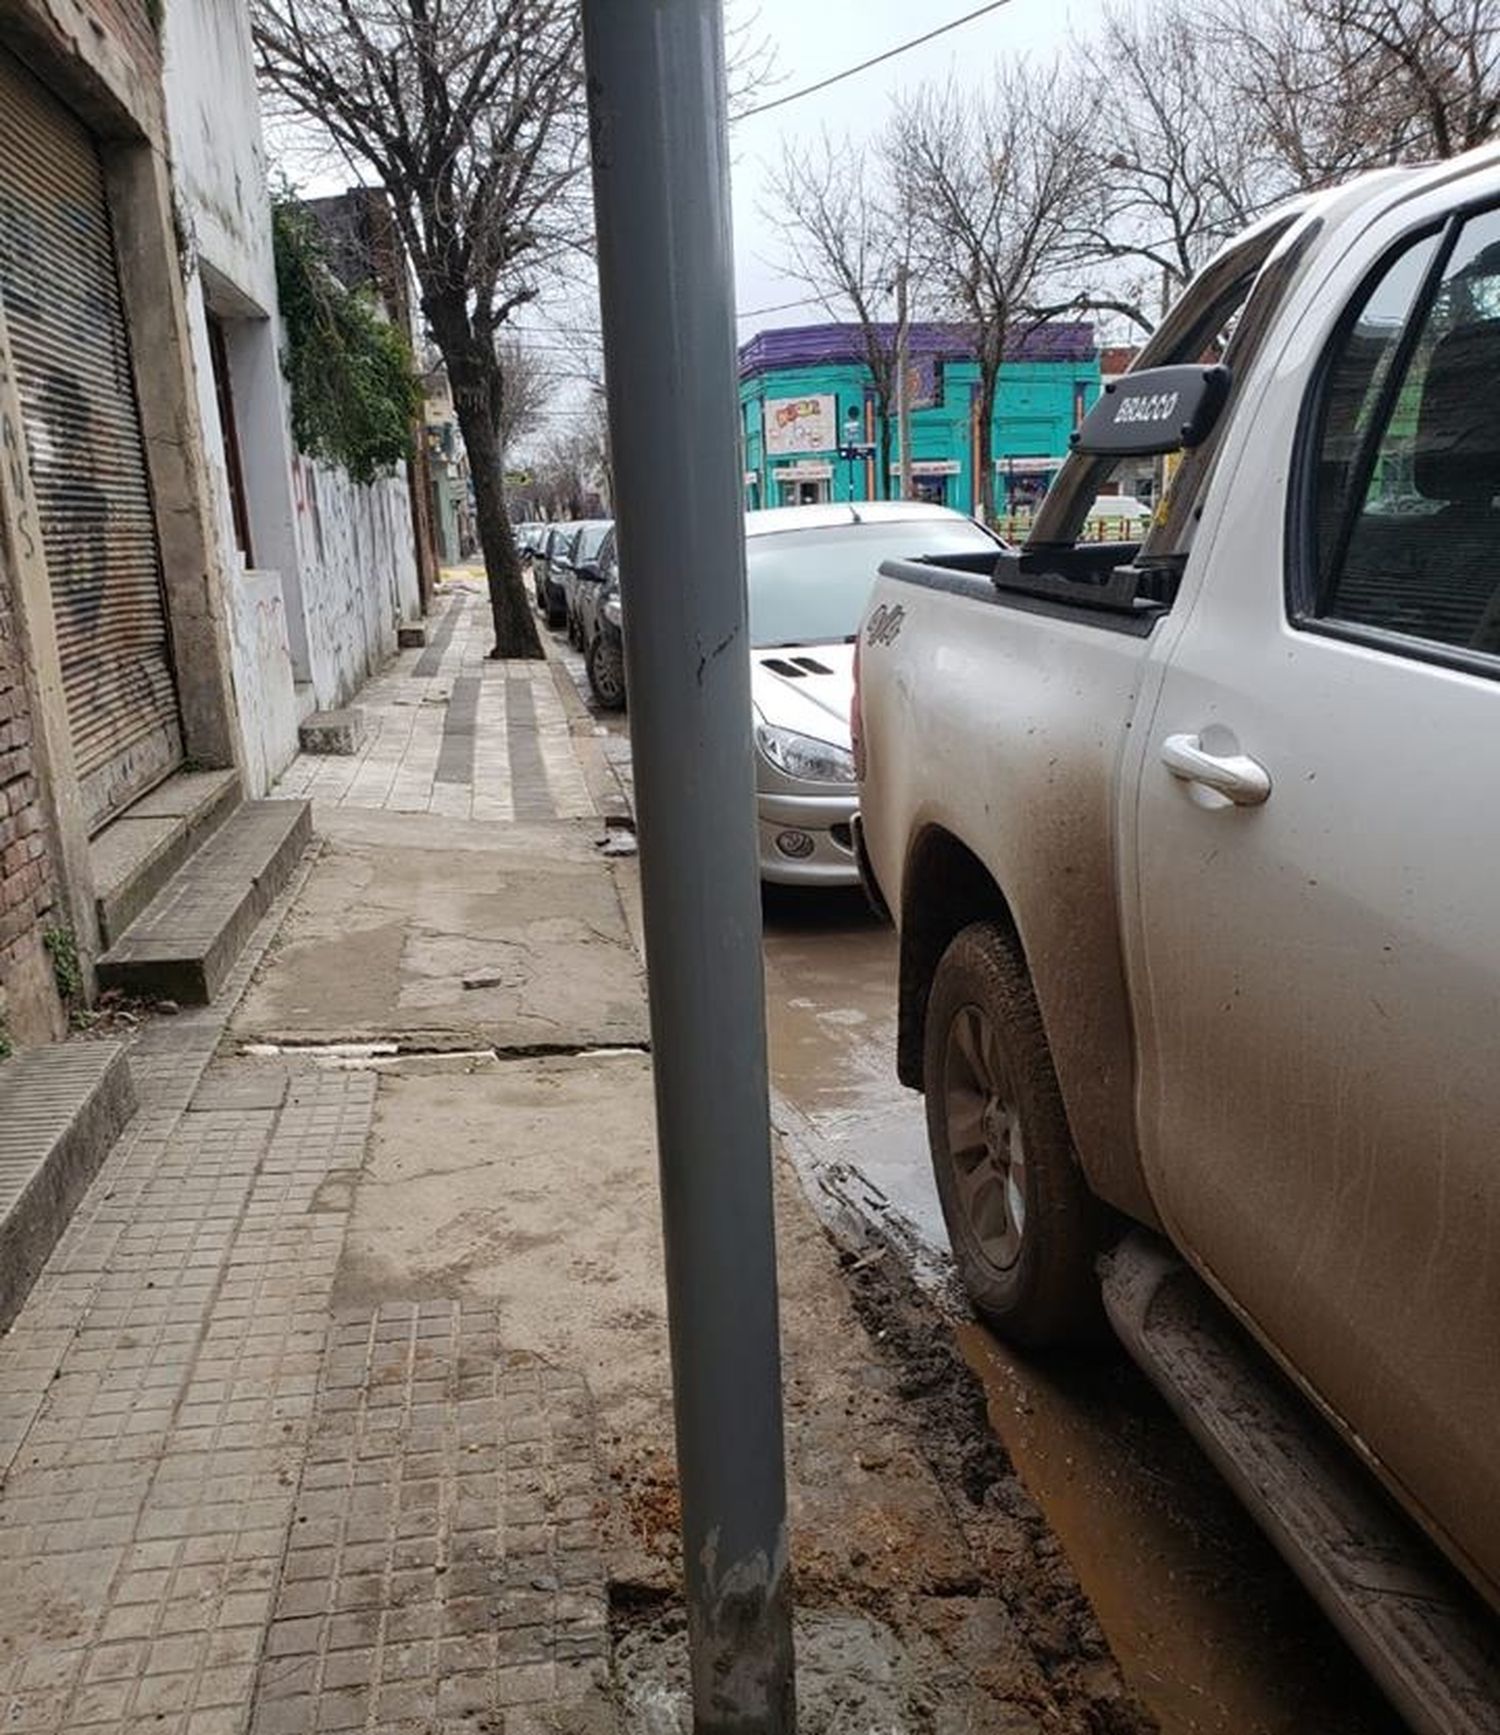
(817, 345)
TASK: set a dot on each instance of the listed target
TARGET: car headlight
(804, 756)
(612, 610)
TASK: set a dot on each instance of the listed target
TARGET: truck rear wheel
(1023, 1226)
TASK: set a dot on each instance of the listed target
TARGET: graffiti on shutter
(71, 353)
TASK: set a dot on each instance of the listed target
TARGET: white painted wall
(358, 559)
(261, 662)
(333, 564)
(218, 151)
(263, 678)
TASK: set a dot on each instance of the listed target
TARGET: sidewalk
(232, 1500)
(344, 1401)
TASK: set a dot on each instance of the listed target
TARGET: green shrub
(353, 387)
(62, 949)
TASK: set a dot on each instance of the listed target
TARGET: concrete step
(339, 732)
(61, 1110)
(135, 856)
(1416, 1625)
(185, 942)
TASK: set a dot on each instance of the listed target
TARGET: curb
(606, 791)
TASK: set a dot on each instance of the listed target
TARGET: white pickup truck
(1194, 849)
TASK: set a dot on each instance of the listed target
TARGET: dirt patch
(1015, 1553)
(924, 1578)
(963, 1619)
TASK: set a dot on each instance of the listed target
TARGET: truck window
(1404, 531)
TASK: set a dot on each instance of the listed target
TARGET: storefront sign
(804, 472)
(1028, 466)
(795, 425)
(929, 466)
(924, 383)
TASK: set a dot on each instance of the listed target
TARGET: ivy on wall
(353, 387)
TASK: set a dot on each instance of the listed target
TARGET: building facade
(450, 490)
(319, 571)
(176, 587)
(805, 390)
(110, 580)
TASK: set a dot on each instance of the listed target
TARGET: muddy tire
(1023, 1226)
(606, 672)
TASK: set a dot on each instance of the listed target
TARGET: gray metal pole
(661, 196)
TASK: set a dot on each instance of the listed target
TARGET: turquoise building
(805, 390)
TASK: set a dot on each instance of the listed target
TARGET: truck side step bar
(1420, 1630)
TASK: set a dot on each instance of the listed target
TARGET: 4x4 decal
(885, 624)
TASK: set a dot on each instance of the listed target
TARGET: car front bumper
(820, 825)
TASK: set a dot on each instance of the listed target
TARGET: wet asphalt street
(1211, 1630)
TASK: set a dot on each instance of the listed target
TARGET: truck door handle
(1242, 779)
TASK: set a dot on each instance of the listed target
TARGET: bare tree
(851, 230)
(1326, 88)
(530, 383)
(600, 456)
(1168, 162)
(1002, 174)
(470, 114)
(566, 477)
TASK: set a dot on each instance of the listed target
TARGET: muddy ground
(931, 1595)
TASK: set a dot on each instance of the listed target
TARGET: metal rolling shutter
(61, 295)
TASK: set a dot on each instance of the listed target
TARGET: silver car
(809, 570)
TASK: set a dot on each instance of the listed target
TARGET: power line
(874, 60)
(779, 307)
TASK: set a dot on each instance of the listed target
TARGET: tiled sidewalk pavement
(224, 1512)
(443, 1563)
(450, 732)
(147, 1513)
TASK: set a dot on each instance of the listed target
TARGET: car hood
(808, 688)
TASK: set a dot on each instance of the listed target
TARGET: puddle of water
(1208, 1625)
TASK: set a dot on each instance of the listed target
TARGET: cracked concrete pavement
(401, 917)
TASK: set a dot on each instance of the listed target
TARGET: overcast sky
(815, 38)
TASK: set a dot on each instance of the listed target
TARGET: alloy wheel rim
(986, 1147)
(606, 674)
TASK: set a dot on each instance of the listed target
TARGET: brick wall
(27, 890)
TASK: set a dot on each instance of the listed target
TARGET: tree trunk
(989, 379)
(474, 375)
(515, 620)
(883, 462)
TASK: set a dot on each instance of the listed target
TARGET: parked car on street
(1191, 846)
(1118, 516)
(583, 569)
(548, 570)
(808, 571)
(600, 630)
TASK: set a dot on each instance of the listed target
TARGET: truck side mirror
(1159, 409)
